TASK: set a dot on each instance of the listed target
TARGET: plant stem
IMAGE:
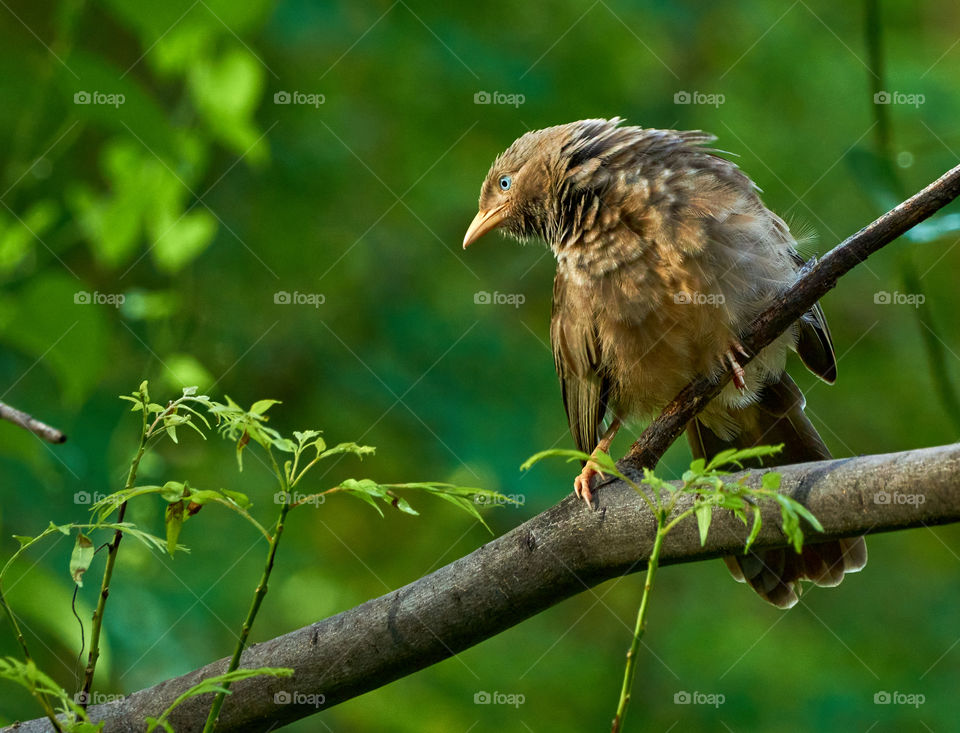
(112, 548)
(258, 596)
(41, 698)
(631, 669)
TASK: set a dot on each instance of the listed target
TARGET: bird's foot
(739, 376)
(581, 484)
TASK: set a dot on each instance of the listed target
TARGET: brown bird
(665, 254)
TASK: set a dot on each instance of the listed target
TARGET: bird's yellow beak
(483, 222)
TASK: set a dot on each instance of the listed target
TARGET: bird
(665, 254)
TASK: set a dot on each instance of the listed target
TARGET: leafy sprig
(300, 453)
(707, 483)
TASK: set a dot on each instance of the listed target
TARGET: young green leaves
(706, 482)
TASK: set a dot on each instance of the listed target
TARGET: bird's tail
(778, 417)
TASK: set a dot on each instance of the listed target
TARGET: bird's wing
(576, 354)
(814, 343)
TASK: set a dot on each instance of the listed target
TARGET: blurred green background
(202, 196)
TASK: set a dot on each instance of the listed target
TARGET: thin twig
(630, 670)
(213, 717)
(112, 548)
(28, 422)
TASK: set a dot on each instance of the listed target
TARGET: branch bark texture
(551, 557)
(28, 422)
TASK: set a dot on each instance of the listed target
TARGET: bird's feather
(576, 353)
(778, 417)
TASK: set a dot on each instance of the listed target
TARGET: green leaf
(806, 514)
(305, 435)
(154, 723)
(80, 558)
(738, 456)
(285, 444)
(357, 450)
(174, 523)
(365, 489)
(704, 513)
(179, 238)
(137, 404)
(754, 530)
(172, 491)
(151, 541)
(233, 500)
(466, 505)
(261, 406)
(791, 528)
(403, 505)
(570, 455)
(225, 91)
(770, 481)
(237, 498)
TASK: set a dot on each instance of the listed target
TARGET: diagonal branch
(812, 285)
(28, 422)
(557, 554)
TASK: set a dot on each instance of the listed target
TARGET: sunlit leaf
(80, 558)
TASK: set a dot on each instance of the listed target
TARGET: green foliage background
(200, 198)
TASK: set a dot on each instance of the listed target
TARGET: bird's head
(530, 184)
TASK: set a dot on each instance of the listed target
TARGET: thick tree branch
(790, 306)
(553, 556)
(28, 422)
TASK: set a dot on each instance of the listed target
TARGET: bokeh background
(202, 196)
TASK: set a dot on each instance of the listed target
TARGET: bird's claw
(739, 376)
(581, 484)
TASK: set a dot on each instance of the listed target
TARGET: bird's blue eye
(505, 182)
